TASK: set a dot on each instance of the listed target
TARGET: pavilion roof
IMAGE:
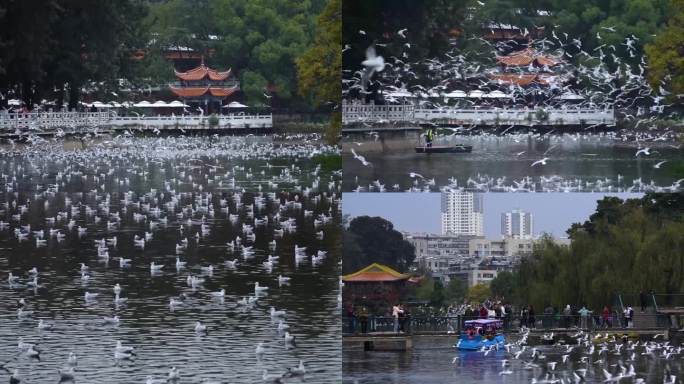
(375, 273)
(201, 91)
(202, 72)
(526, 57)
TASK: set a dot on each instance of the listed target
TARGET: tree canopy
(666, 55)
(370, 240)
(625, 247)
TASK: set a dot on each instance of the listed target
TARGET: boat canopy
(493, 323)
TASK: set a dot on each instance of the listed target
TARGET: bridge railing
(74, 120)
(455, 324)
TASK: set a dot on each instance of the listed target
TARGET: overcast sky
(420, 212)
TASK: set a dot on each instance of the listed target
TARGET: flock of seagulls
(589, 357)
(532, 173)
(603, 78)
(146, 208)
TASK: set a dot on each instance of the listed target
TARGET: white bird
(221, 293)
(645, 151)
(275, 313)
(657, 166)
(542, 162)
(362, 159)
(200, 328)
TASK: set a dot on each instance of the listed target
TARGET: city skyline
(553, 213)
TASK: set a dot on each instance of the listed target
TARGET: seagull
(657, 166)
(360, 158)
(402, 32)
(200, 328)
(372, 64)
(645, 151)
(542, 162)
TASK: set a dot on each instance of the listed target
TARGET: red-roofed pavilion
(205, 87)
(377, 287)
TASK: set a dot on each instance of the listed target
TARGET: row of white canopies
(147, 104)
(476, 94)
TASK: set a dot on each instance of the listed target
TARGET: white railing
(499, 116)
(85, 120)
(371, 112)
(359, 113)
(224, 121)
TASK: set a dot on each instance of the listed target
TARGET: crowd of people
(395, 317)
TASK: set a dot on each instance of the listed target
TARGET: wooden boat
(445, 149)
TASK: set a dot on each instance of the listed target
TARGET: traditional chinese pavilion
(377, 287)
(528, 67)
(205, 87)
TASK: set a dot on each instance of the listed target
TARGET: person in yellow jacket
(429, 136)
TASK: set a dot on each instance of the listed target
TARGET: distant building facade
(518, 224)
(506, 247)
(462, 213)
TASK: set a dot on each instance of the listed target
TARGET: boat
(481, 333)
(444, 149)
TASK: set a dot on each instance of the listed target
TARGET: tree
(378, 242)
(320, 67)
(437, 295)
(456, 290)
(478, 293)
(503, 285)
(666, 55)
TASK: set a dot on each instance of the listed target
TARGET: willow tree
(319, 69)
(666, 55)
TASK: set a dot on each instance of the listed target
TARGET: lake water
(174, 189)
(432, 361)
(576, 163)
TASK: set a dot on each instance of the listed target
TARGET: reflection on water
(204, 191)
(504, 163)
(435, 360)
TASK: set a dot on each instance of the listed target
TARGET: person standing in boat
(429, 136)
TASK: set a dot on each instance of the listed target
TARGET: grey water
(432, 361)
(174, 188)
(576, 163)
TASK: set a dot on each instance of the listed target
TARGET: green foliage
(625, 246)
(425, 289)
(456, 290)
(666, 55)
(374, 240)
(478, 293)
(503, 285)
(320, 67)
(329, 163)
(437, 295)
(213, 121)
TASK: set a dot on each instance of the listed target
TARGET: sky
(420, 212)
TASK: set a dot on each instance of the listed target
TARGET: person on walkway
(531, 320)
(606, 317)
(402, 318)
(629, 314)
(351, 317)
(547, 321)
(483, 312)
(395, 315)
(567, 316)
(363, 319)
(642, 299)
(429, 136)
(584, 316)
(524, 315)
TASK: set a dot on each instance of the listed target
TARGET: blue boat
(480, 333)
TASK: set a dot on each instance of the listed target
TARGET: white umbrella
(159, 104)
(177, 104)
(14, 102)
(475, 94)
(99, 104)
(496, 95)
(234, 104)
(400, 93)
(142, 104)
(456, 94)
(571, 96)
